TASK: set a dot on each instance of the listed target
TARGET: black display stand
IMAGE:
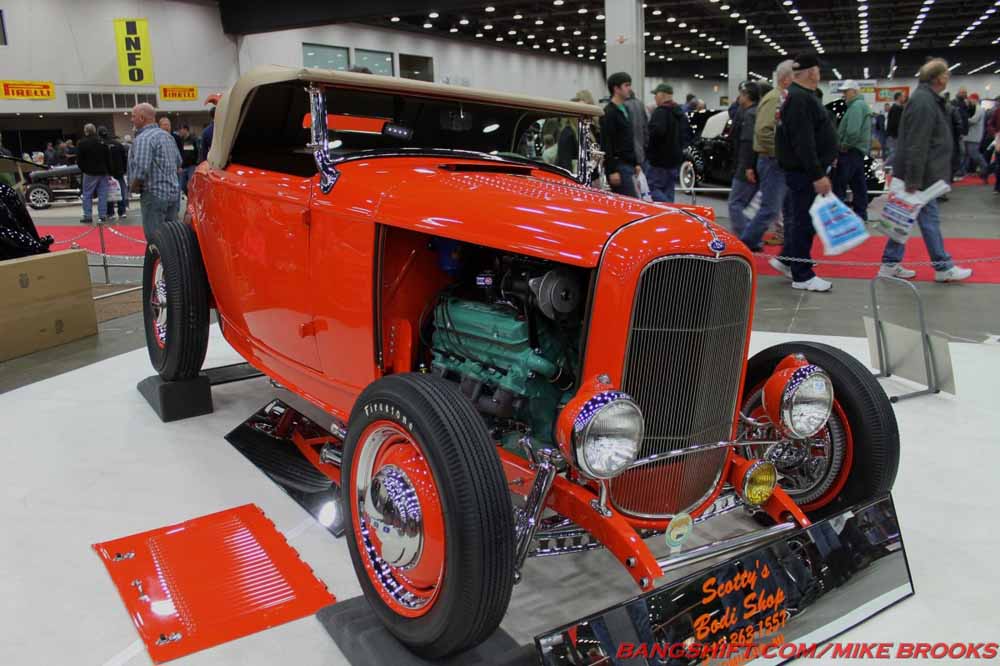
(363, 639)
(173, 401)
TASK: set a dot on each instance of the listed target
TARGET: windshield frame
(327, 164)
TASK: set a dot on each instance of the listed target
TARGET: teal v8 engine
(509, 333)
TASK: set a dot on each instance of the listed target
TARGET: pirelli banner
(178, 93)
(135, 53)
(27, 90)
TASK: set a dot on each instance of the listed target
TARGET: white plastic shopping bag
(643, 185)
(895, 212)
(754, 206)
(114, 191)
(837, 225)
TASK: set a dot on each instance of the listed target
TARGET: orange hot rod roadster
(514, 363)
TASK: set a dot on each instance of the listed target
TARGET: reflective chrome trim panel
(689, 322)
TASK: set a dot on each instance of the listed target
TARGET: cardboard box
(45, 301)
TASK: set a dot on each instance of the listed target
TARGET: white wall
(460, 62)
(72, 43)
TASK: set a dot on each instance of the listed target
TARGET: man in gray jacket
(923, 157)
(640, 130)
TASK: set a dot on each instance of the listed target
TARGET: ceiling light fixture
(428, 25)
(975, 24)
(957, 64)
(395, 19)
(433, 15)
(982, 67)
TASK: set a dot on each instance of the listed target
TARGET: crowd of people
(157, 164)
(788, 148)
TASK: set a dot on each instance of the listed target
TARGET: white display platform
(86, 460)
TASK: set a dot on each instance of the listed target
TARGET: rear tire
(869, 465)
(419, 424)
(175, 302)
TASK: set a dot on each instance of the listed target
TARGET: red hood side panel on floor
(210, 580)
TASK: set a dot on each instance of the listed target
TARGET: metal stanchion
(882, 345)
(104, 252)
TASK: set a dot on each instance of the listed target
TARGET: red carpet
(871, 251)
(972, 180)
(133, 246)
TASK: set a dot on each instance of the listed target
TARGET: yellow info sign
(135, 54)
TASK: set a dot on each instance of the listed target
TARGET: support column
(737, 60)
(624, 24)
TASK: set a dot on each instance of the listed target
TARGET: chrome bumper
(723, 547)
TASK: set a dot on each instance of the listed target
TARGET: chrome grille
(683, 365)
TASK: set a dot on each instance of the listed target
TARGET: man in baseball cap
(669, 131)
(854, 137)
(806, 146)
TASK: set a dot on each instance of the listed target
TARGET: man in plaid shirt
(152, 170)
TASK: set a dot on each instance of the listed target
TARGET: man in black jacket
(668, 132)
(806, 147)
(617, 140)
(892, 125)
(744, 185)
(117, 168)
(92, 158)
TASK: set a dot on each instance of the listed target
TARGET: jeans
(773, 191)
(976, 163)
(740, 195)
(929, 220)
(185, 178)
(662, 182)
(889, 150)
(627, 187)
(799, 231)
(851, 173)
(123, 204)
(156, 211)
(92, 184)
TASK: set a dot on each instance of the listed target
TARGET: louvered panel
(209, 580)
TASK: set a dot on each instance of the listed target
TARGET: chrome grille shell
(683, 366)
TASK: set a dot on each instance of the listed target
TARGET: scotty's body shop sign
(135, 55)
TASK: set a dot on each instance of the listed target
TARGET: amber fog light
(759, 482)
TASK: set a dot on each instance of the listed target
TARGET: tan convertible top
(227, 115)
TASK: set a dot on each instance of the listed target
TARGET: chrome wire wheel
(39, 197)
(688, 176)
(810, 470)
(399, 520)
(158, 305)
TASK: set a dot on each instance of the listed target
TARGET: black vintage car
(709, 159)
(53, 184)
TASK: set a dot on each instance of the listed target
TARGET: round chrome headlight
(806, 402)
(607, 434)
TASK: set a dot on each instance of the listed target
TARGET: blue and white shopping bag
(838, 226)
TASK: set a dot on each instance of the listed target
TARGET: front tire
(855, 457)
(175, 302)
(38, 196)
(432, 535)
